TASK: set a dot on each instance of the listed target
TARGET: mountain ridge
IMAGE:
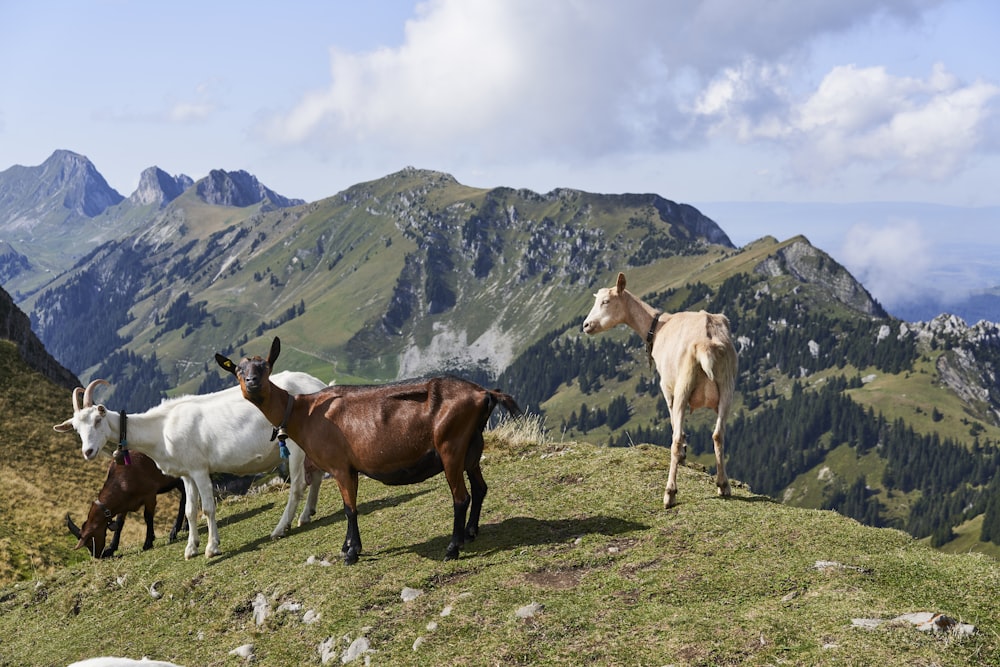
(56, 212)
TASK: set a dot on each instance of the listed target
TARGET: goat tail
(497, 397)
(706, 359)
(719, 363)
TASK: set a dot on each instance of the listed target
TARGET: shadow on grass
(751, 499)
(322, 522)
(519, 532)
(240, 516)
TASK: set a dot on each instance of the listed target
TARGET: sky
(731, 105)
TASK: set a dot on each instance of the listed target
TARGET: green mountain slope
(400, 276)
(575, 529)
(42, 473)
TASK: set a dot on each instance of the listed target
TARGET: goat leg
(149, 510)
(458, 530)
(116, 535)
(352, 541)
(479, 489)
(181, 519)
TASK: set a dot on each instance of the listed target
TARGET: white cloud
(892, 261)
(504, 76)
(924, 128)
(516, 81)
(186, 112)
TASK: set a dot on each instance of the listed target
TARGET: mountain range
(416, 273)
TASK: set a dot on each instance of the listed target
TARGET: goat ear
(65, 427)
(621, 283)
(272, 356)
(226, 363)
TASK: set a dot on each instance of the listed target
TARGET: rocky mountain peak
(67, 183)
(239, 189)
(804, 262)
(158, 187)
(83, 189)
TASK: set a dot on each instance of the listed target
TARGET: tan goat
(694, 356)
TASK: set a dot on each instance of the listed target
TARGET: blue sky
(701, 101)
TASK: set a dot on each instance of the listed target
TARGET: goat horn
(76, 399)
(88, 393)
(72, 527)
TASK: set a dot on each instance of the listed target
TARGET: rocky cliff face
(64, 186)
(239, 189)
(158, 187)
(970, 364)
(808, 264)
(15, 326)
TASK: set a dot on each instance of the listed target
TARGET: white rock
(327, 650)
(261, 609)
(358, 648)
(245, 651)
(927, 621)
(410, 594)
(310, 617)
(528, 610)
(834, 565)
(121, 662)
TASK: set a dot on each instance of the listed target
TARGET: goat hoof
(351, 557)
(451, 553)
(471, 534)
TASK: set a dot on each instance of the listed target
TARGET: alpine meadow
(862, 449)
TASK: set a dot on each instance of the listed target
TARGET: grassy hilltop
(575, 528)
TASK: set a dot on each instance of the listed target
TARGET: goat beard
(256, 397)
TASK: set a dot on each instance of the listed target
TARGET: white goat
(695, 358)
(194, 436)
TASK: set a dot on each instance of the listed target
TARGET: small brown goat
(399, 433)
(126, 489)
(695, 358)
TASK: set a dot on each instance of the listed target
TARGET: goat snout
(253, 384)
(588, 327)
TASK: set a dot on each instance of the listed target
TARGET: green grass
(576, 528)
(967, 539)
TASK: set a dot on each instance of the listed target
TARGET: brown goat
(695, 358)
(399, 433)
(126, 489)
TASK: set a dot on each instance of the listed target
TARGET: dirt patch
(567, 479)
(554, 579)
